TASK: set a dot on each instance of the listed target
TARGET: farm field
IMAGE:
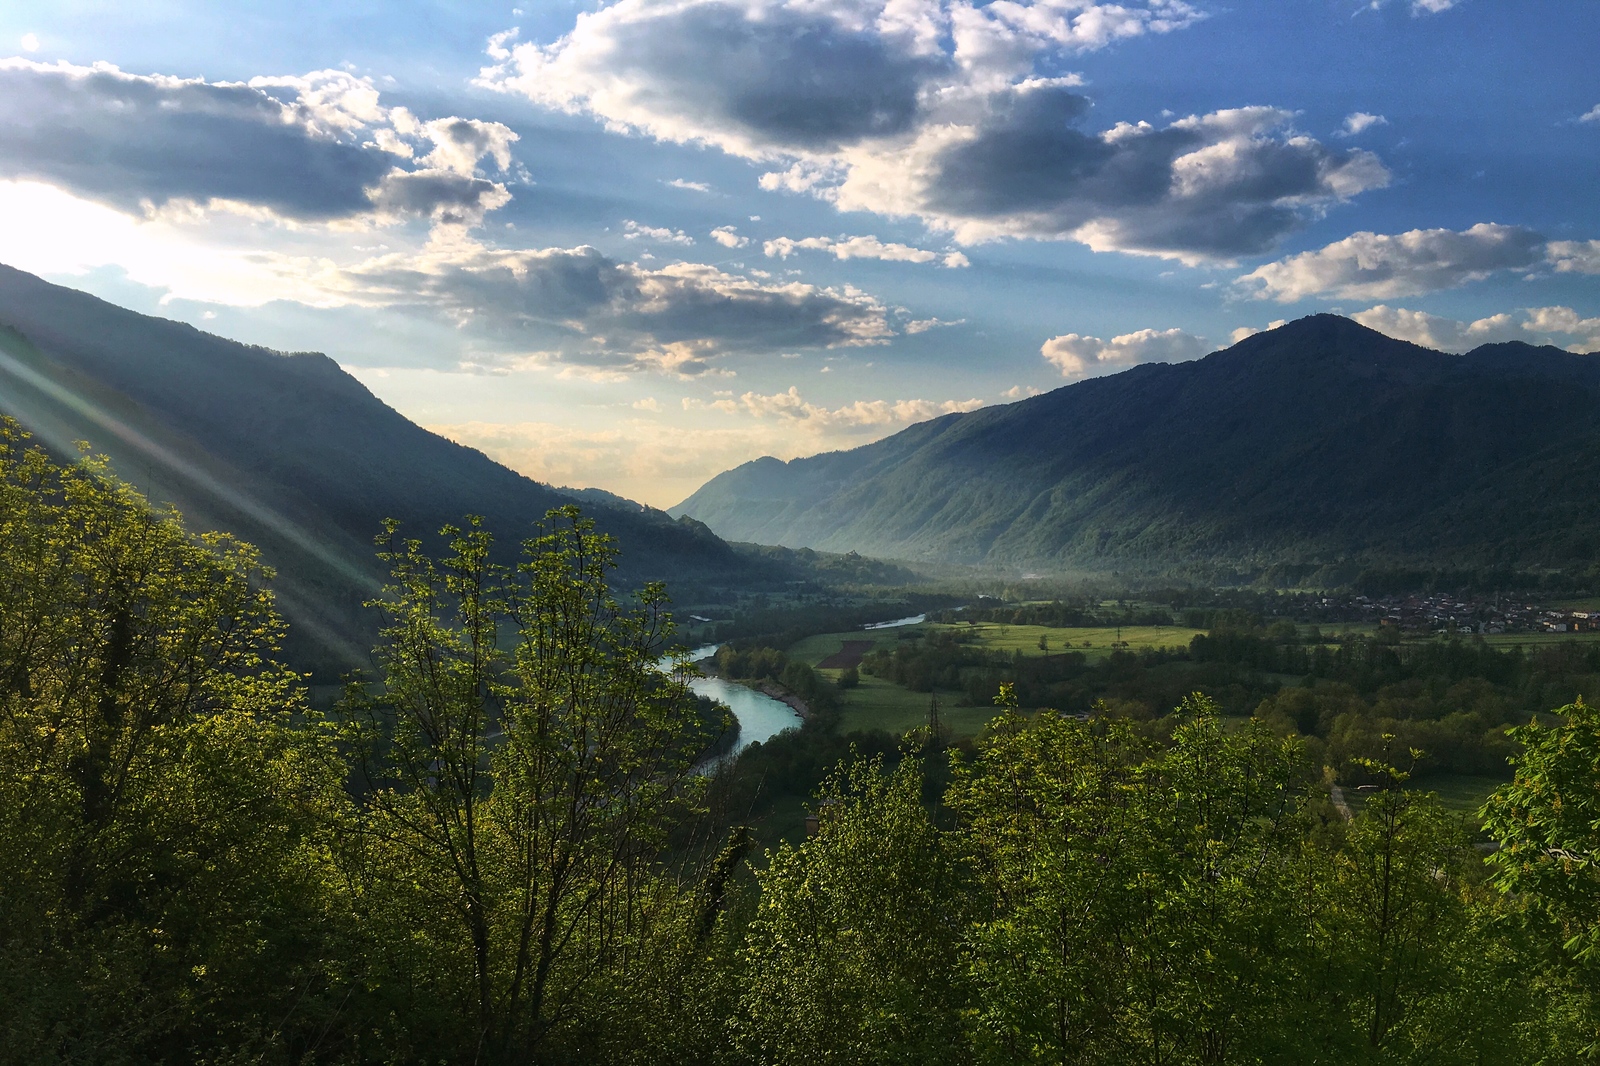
(879, 704)
(1096, 642)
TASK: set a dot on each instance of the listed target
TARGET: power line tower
(933, 712)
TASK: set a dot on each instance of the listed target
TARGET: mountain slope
(287, 451)
(1319, 442)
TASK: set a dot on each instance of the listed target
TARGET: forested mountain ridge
(288, 452)
(1315, 444)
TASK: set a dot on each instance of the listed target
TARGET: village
(1446, 614)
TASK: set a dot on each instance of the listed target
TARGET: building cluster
(1443, 613)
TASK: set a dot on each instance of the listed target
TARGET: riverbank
(782, 695)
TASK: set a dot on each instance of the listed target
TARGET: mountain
(1320, 443)
(291, 453)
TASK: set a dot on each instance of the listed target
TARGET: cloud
(1075, 354)
(1250, 331)
(632, 230)
(952, 113)
(1564, 320)
(581, 308)
(30, 42)
(1359, 122)
(1020, 392)
(692, 186)
(317, 148)
(791, 406)
(1383, 266)
(1431, 7)
(728, 237)
(867, 247)
(1574, 257)
(1537, 325)
(1591, 115)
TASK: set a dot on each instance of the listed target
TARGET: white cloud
(1020, 392)
(1242, 332)
(30, 42)
(791, 406)
(1591, 115)
(1359, 122)
(1574, 257)
(1537, 325)
(1564, 320)
(1431, 7)
(867, 247)
(1382, 266)
(692, 186)
(1075, 354)
(649, 403)
(728, 237)
(942, 110)
(632, 231)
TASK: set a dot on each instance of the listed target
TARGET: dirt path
(1338, 801)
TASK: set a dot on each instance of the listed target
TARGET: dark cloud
(1218, 186)
(590, 309)
(786, 80)
(297, 148)
(940, 111)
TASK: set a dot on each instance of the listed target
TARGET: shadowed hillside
(1318, 443)
(287, 451)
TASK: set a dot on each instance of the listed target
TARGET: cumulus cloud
(1536, 325)
(791, 406)
(728, 237)
(582, 308)
(1574, 257)
(1020, 392)
(1359, 122)
(1076, 355)
(1242, 332)
(1591, 115)
(867, 247)
(944, 111)
(1383, 266)
(633, 231)
(316, 148)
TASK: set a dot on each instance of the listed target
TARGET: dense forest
(500, 847)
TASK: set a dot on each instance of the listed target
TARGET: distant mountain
(1318, 444)
(291, 453)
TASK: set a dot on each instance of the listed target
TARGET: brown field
(848, 655)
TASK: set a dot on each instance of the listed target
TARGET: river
(760, 716)
(898, 622)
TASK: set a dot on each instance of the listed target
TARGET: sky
(631, 244)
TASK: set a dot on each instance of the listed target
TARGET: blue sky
(632, 244)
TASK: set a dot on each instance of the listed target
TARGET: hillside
(1321, 443)
(289, 452)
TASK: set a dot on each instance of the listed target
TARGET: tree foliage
(501, 848)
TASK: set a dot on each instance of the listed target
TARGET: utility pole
(933, 712)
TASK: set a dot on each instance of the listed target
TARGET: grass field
(878, 704)
(1095, 642)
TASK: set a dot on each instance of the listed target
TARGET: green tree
(1144, 898)
(853, 953)
(164, 791)
(1547, 824)
(529, 760)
